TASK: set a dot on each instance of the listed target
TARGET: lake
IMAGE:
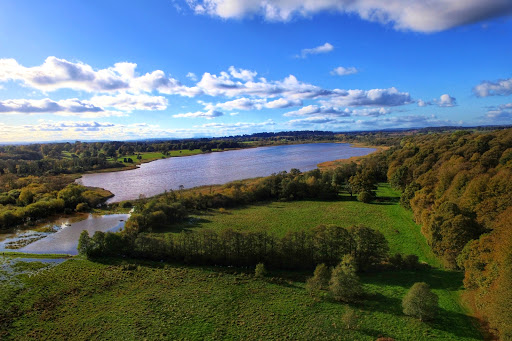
(217, 168)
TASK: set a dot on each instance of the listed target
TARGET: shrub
(420, 302)
(82, 207)
(345, 284)
(260, 270)
(320, 279)
(365, 197)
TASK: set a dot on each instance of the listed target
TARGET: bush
(82, 207)
(345, 284)
(320, 279)
(420, 302)
(260, 270)
(365, 197)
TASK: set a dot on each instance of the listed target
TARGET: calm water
(217, 168)
(65, 241)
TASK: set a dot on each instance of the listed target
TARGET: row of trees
(296, 250)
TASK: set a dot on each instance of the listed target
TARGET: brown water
(217, 168)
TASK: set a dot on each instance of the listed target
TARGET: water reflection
(217, 168)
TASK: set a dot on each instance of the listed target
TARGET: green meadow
(135, 300)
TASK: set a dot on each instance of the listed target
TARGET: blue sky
(82, 70)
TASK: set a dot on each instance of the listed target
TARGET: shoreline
(356, 159)
(137, 165)
(322, 166)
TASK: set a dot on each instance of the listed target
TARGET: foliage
(421, 302)
(344, 284)
(260, 270)
(320, 279)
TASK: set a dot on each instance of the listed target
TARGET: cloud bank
(415, 15)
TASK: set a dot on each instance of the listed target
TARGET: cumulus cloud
(192, 76)
(422, 103)
(315, 110)
(325, 121)
(344, 71)
(502, 87)
(417, 15)
(245, 75)
(210, 114)
(410, 121)
(374, 97)
(68, 107)
(224, 85)
(245, 103)
(446, 101)
(128, 102)
(325, 48)
(239, 126)
(55, 74)
(499, 115)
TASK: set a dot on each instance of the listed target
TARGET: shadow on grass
(386, 201)
(452, 322)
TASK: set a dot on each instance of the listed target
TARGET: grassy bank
(85, 300)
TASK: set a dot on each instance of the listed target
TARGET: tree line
(459, 187)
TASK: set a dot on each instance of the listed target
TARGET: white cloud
(332, 111)
(128, 102)
(245, 75)
(343, 71)
(501, 87)
(325, 48)
(192, 76)
(323, 120)
(283, 103)
(290, 87)
(446, 101)
(55, 74)
(68, 107)
(210, 114)
(422, 103)
(374, 97)
(239, 126)
(415, 15)
(410, 121)
(245, 103)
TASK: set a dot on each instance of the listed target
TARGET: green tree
(260, 270)
(420, 302)
(344, 284)
(84, 244)
(320, 279)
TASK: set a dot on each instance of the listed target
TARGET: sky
(112, 70)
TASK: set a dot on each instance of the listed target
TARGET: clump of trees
(35, 198)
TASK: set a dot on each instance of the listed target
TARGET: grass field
(82, 300)
(384, 215)
(136, 300)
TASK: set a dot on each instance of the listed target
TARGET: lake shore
(356, 159)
